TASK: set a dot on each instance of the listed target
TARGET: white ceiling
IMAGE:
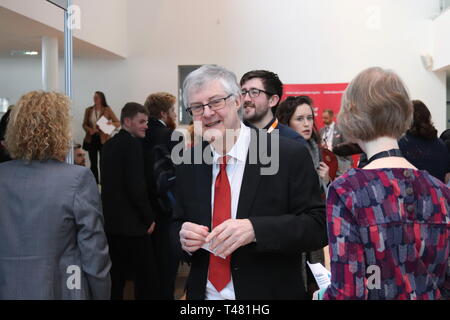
(18, 32)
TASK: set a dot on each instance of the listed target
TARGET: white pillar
(50, 64)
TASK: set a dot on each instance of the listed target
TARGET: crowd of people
(147, 204)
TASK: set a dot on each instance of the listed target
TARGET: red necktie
(219, 269)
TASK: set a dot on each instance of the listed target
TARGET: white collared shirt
(235, 173)
(328, 136)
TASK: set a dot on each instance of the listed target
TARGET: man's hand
(231, 235)
(192, 236)
(152, 228)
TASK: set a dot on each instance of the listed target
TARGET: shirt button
(407, 173)
(409, 191)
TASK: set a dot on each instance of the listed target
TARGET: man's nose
(207, 112)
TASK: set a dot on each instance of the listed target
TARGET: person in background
(95, 138)
(78, 155)
(161, 125)
(129, 218)
(331, 136)
(388, 223)
(297, 113)
(445, 137)
(261, 93)
(422, 147)
(4, 156)
(52, 241)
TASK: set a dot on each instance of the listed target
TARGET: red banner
(324, 96)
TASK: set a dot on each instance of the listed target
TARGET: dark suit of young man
(128, 215)
(278, 215)
(158, 134)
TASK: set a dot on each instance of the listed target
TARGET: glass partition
(445, 4)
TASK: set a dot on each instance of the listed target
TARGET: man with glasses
(261, 92)
(242, 231)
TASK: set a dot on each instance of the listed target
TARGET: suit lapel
(250, 181)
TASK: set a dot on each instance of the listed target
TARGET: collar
(163, 123)
(125, 131)
(239, 150)
(267, 127)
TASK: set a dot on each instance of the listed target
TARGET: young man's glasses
(214, 105)
(254, 93)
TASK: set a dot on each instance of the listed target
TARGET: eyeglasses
(214, 105)
(254, 92)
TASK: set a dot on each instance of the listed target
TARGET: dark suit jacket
(3, 124)
(157, 134)
(287, 213)
(126, 206)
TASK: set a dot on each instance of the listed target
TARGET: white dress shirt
(235, 172)
(328, 136)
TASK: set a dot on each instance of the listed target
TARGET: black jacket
(126, 207)
(157, 134)
(287, 213)
(3, 124)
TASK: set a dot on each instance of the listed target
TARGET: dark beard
(256, 116)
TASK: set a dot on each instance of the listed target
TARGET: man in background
(331, 137)
(261, 93)
(158, 144)
(79, 157)
(129, 219)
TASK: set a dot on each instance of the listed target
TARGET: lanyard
(273, 126)
(385, 154)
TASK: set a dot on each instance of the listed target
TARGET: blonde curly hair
(39, 127)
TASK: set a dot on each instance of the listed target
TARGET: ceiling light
(24, 53)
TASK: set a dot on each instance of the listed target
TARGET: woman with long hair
(422, 147)
(297, 112)
(95, 138)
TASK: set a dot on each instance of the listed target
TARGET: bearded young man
(261, 93)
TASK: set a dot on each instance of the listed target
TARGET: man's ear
(273, 101)
(238, 101)
(127, 122)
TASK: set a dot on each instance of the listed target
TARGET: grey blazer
(52, 242)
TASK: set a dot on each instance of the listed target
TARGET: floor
(180, 283)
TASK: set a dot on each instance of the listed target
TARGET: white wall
(304, 41)
(441, 33)
(103, 22)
